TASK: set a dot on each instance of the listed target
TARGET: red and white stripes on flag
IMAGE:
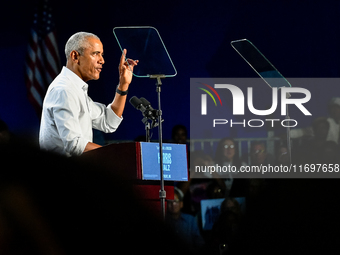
(42, 60)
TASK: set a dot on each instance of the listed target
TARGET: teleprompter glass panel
(259, 63)
(146, 45)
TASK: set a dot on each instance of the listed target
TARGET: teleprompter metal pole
(147, 129)
(162, 192)
(289, 145)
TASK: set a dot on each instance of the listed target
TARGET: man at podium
(69, 114)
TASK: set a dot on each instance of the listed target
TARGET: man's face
(180, 136)
(259, 153)
(229, 149)
(175, 206)
(91, 61)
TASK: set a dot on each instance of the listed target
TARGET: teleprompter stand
(162, 193)
(289, 146)
(265, 69)
(145, 44)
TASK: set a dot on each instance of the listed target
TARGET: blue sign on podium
(175, 166)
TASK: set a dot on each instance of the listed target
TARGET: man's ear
(74, 56)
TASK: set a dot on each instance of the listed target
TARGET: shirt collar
(75, 79)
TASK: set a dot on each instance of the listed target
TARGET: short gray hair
(78, 42)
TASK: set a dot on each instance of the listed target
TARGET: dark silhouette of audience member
(226, 231)
(259, 155)
(231, 204)
(333, 120)
(216, 189)
(179, 134)
(184, 225)
(194, 190)
(4, 133)
(329, 153)
(320, 130)
(333, 133)
(256, 188)
(227, 155)
(282, 157)
(140, 138)
(57, 205)
(318, 149)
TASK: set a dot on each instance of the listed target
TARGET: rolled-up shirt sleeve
(103, 117)
(66, 110)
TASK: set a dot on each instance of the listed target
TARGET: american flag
(42, 60)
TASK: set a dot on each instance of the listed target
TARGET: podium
(137, 164)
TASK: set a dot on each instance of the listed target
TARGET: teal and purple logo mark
(204, 98)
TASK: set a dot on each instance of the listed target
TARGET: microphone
(144, 106)
(145, 102)
(148, 107)
(137, 103)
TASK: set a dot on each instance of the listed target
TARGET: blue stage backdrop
(299, 37)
